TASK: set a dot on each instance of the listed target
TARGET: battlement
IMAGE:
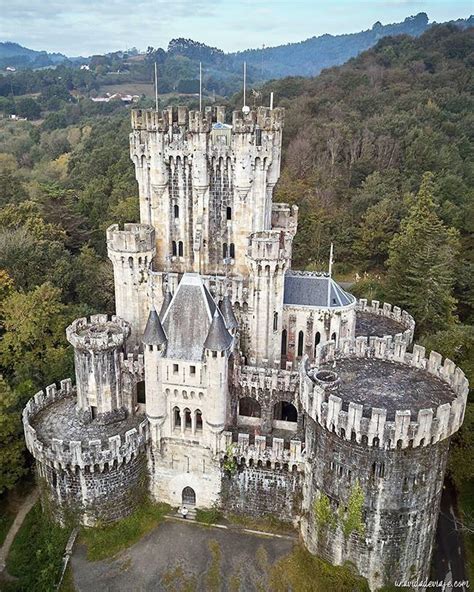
(134, 364)
(269, 379)
(98, 333)
(253, 450)
(94, 454)
(401, 400)
(285, 217)
(392, 313)
(134, 238)
(263, 118)
(269, 245)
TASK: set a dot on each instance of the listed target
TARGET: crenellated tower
(205, 185)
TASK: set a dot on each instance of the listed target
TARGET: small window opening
(258, 137)
(174, 250)
(141, 396)
(224, 250)
(300, 343)
(176, 211)
(228, 213)
(175, 368)
(180, 248)
(192, 370)
(177, 417)
(198, 420)
(275, 321)
(283, 342)
(232, 251)
(187, 418)
(94, 412)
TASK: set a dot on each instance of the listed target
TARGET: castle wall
(402, 493)
(257, 491)
(93, 495)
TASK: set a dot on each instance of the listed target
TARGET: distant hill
(14, 55)
(309, 57)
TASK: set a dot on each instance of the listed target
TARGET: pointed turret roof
(154, 333)
(168, 297)
(228, 314)
(218, 338)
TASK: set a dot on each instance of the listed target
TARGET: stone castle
(228, 379)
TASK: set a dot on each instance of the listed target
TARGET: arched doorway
(188, 496)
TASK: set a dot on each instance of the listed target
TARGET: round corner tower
(88, 443)
(379, 421)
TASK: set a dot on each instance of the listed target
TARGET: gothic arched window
(176, 211)
(300, 343)
(180, 248)
(174, 249)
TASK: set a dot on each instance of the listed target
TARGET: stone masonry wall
(257, 491)
(402, 491)
(95, 496)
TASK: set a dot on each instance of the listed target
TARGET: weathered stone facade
(228, 379)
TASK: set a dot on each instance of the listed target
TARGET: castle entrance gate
(188, 496)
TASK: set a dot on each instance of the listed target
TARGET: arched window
(333, 337)
(249, 407)
(180, 248)
(275, 321)
(198, 420)
(176, 211)
(188, 496)
(232, 251)
(176, 417)
(224, 250)
(130, 262)
(174, 249)
(283, 342)
(284, 411)
(228, 213)
(300, 343)
(187, 418)
(317, 341)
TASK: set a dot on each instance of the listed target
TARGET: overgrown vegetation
(108, 540)
(306, 573)
(265, 523)
(35, 557)
(208, 515)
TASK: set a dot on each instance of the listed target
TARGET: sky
(85, 27)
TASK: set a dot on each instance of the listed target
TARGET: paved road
(181, 556)
(448, 558)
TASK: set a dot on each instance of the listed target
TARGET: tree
(12, 447)
(28, 107)
(352, 517)
(34, 349)
(422, 263)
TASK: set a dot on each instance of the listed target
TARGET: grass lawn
(306, 573)
(108, 540)
(36, 554)
(10, 503)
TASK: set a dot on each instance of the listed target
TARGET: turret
(268, 257)
(97, 344)
(131, 251)
(217, 347)
(154, 342)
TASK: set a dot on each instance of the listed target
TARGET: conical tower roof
(168, 297)
(154, 333)
(218, 338)
(228, 314)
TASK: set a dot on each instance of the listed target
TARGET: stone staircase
(191, 515)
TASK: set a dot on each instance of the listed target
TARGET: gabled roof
(312, 289)
(218, 338)
(228, 314)
(188, 318)
(153, 334)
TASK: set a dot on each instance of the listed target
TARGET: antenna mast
(331, 252)
(156, 88)
(200, 86)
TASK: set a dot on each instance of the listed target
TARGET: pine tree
(421, 263)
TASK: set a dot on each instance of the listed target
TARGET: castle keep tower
(204, 185)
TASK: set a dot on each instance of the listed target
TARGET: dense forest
(377, 155)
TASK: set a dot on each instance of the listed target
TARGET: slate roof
(228, 314)
(166, 302)
(311, 289)
(188, 319)
(153, 334)
(218, 338)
